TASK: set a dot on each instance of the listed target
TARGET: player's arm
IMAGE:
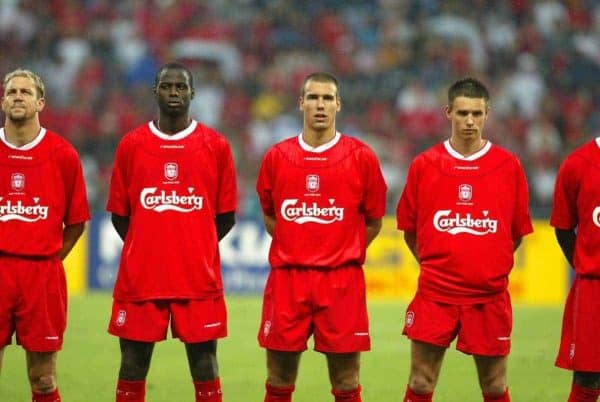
(373, 229)
(121, 224)
(70, 235)
(517, 243)
(224, 223)
(566, 240)
(411, 241)
(269, 223)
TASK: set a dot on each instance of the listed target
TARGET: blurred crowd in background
(394, 58)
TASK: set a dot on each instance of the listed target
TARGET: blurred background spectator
(394, 58)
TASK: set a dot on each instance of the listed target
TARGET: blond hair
(37, 81)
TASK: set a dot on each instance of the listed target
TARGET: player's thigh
(198, 321)
(41, 314)
(286, 320)
(431, 322)
(486, 328)
(145, 321)
(341, 323)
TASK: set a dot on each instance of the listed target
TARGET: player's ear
(192, 94)
(301, 103)
(40, 103)
(448, 110)
(338, 102)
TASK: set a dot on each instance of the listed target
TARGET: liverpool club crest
(171, 170)
(312, 183)
(17, 181)
(465, 192)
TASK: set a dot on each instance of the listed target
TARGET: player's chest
(172, 169)
(342, 182)
(466, 191)
(33, 180)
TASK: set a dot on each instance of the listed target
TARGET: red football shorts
(579, 348)
(33, 302)
(330, 304)
(481, 329)
(192, 321)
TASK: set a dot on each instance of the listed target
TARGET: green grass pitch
(89, 361)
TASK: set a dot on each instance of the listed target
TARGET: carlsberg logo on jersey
(170, 201)
(305, 212)
(11, 211)
(446, 221)
(596, 216)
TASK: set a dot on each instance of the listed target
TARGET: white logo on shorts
(267, 328)
(572, 351)
(410, 318)
(121, 316)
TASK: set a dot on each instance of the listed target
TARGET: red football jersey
(466, 213)
(320, 198)
(42, 189)
(171, 187)
(577, 205)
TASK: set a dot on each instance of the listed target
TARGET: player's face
(320, 104)
(174, 93)
(468, 116)
(20, 101)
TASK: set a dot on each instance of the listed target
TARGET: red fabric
(51, 397)
(33, 302)
(482, 329)
(130, 391)
(505, 397)
(330, 304)
(278, 394)
(577, 204)
(581, 394)
(466, 213)
(352, 395)
(171, 187)
(320, 199)
(44, 190)
(581, 324)
(411, 396)
(208, 391)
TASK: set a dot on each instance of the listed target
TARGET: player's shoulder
(59, 147)
(499, 155)
(211, 135)
(588, 153)
(135, 136)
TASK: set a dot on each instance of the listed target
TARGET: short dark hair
(322, 77)
(468, 87)
(174, 66)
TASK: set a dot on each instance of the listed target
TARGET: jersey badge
(171, 170)
(465, 192)
(312, 183)
(17, 181)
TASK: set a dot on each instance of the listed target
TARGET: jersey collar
(26, 147)
(322, 147)
(472, 157)
(598, 141)
(177, 136)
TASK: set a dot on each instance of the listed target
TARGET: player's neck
(467, 147)
(318, 138)
(19, 134)
(173, 125)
